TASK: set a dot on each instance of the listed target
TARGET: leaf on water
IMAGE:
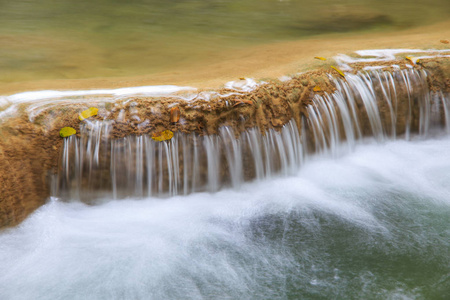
(411, 59)
(91, 111)
(317, 88)
(241, 78)
(174, 114)
(320, 57)
(67, 131)
(162, 136)
(339, 71)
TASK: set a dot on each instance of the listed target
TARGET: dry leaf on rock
(339, 71)
(67, 131)
(163, 136)
(91, 111)
(175, 114)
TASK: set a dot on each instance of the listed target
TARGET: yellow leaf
(413, 60)
(241, 78)
(67, 131)
(339, 71)
(91, 111)
(316, 88)
(163, 136)
(320, 57)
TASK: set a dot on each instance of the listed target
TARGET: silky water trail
(353, 202)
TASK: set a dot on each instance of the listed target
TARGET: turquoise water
(82, 39)
(370, 225)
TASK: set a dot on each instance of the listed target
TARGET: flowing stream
(71, 39)
(379, 105)
(373, 224)
(352, 203)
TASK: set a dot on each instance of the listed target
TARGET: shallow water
(373, 224)
(84, 39)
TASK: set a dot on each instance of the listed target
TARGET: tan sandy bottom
(263, 61)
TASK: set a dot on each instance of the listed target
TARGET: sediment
(30, 144)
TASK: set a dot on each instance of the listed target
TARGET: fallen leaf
(317, 88)
(411, 59)
(320, 57)
(175, 114)
(339, 71)
(445, 41)
(91, 111)
(241, 78)
(67, 131)
(162, 136)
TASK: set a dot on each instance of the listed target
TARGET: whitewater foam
(371, 224)
(380, 55)
(154, 90)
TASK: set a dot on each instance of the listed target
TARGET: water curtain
(376, 105)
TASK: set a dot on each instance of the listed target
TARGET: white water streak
(366, 104)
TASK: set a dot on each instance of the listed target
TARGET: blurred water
(371, 225)
(83, 39)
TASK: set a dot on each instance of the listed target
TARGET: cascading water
(381, 105)
(372, 224)
(139, 166)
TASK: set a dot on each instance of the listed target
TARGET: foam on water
(377, 55)
(153, 90)
(243, 85)
(39, 101)
(372, 224)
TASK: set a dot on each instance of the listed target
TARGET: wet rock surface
(30, 145)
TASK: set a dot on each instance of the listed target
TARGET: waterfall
(380, 105)
(187, 163)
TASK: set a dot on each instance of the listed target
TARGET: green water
(51, 39)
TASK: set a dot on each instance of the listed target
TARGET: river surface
(373, 224)
(69, 39)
